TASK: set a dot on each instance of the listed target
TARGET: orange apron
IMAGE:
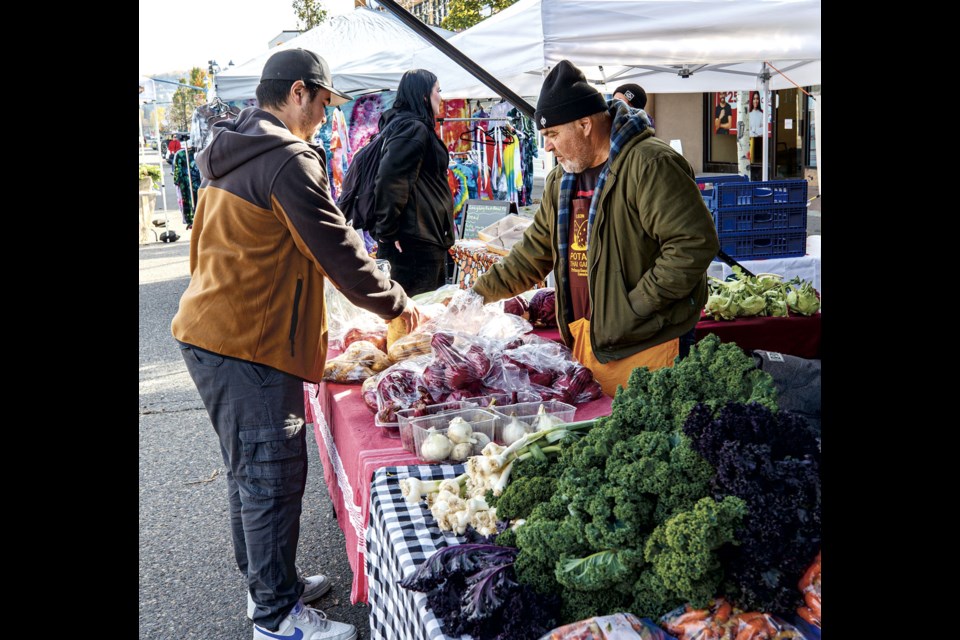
(616, 372)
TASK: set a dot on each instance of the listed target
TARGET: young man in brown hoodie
(252, 324)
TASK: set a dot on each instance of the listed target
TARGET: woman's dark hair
(756, 94)
(413, 94)
(273, 93)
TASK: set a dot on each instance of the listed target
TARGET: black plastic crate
(745, 219)
(767, 244)
(772, 192)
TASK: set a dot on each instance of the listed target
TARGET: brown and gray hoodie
(265, 235)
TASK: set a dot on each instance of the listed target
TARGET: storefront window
(722, 127)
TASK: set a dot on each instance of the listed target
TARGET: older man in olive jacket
(623, 227)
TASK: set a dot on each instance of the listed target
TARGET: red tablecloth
(794, 335)
(352, 448)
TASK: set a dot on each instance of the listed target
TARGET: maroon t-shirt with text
(577, 269)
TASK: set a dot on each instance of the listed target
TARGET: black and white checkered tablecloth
(400, 537)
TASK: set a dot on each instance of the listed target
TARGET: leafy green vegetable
(523, 494)
(802, 298)
(682, 551)
(633, 497)
(596, 571)
(764, 295)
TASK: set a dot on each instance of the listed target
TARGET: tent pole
(816, 130)
(765, 76)
(743, 134)
(193, 205)
(163, 180)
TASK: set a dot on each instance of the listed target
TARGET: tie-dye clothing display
(528, 151)
(340, 152)
(324, 133)
(452, 133)
(462, 178)
(364, 120)
(506, 145)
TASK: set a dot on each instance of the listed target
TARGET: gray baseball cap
(301, 64)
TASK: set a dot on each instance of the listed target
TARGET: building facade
(707, 124)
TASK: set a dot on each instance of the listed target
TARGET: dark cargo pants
(257, 412)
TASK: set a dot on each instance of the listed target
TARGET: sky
(181, 34)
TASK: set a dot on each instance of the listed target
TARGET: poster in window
(755, 115)
(725, 113)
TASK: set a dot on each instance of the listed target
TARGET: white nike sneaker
(304, 623)
(313, 588)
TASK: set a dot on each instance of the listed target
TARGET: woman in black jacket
(414, 207)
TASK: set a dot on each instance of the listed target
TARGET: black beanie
(636, 96)
(566, 96)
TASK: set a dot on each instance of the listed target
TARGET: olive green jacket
(648, 252)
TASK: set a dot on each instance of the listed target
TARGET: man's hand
(411, 317)
(396, 243)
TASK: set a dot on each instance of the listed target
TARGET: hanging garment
(479, 148)
(340, 152)
(528, 151)
(203, 119)
(185, 198)
(364, 122)
(325, 132)
(452, 131)
(457, 181)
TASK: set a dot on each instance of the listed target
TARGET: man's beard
(578, 160)
(306, 126)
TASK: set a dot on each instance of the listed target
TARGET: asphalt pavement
(190, 587)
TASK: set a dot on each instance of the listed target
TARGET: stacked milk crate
(758, 219)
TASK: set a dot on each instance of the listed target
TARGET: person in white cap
(252, 323)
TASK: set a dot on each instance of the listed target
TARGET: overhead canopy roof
(667, 46)
(339, 40)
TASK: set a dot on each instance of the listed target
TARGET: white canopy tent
(668, 46)
(339, 40)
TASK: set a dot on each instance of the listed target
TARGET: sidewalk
(171, 215)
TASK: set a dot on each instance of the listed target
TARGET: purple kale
(473, 589)
(772, 462)
(486, 589)
(464, 558)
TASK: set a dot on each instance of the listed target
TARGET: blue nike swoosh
(298, 635)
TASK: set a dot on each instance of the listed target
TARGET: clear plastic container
(480, 421)
(501, 399)
(405, 416)
(528, 414)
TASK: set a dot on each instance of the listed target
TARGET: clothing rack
(442, 120)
